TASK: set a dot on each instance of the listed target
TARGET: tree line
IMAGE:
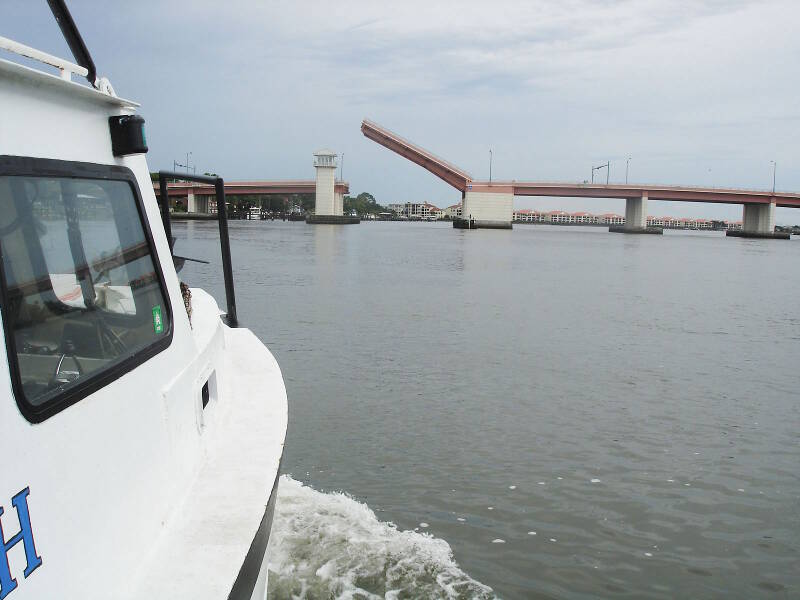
(363, 204)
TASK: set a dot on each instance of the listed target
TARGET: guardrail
(222, 218)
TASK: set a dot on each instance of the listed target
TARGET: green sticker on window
(158, 322)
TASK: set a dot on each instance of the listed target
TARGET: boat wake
(328, 545)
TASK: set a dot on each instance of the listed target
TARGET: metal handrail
(66, 67)
(74, 39)
(222, 218)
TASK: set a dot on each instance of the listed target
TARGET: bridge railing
(666, 186)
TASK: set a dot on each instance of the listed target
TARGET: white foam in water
(595, 480)
(331, 546)
(462, 519)
(512, 487)
(423, 525)
(498, 541)
(531, 533)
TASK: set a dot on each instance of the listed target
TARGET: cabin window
(83, 300)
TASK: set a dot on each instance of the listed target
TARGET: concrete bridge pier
(636, 213)
(338, 203)
(636, 217)
(758, 221)
(196, 203)
(486, 207)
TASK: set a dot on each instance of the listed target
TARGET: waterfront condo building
(418, 211)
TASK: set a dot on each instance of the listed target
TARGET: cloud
(697, 92)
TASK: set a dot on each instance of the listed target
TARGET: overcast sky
(695, 92)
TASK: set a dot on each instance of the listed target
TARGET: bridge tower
(326, 202)
(329, 202)
(486, 206)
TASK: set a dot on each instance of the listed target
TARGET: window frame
(25, 166)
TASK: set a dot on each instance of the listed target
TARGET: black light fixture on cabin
(127, 135)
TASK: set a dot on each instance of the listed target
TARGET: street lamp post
(627, 164)
(176, 165)
(490, 165)
(606, 166)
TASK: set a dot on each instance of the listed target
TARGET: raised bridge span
(490, 203)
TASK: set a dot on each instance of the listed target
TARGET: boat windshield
(81, 292)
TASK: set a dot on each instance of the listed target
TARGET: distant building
(611, 219)
(558, 216)
(584, 218)
(561, 217)
(680, 223)
(453, 211)
(525, 216)
(436, 213)
(418, 211)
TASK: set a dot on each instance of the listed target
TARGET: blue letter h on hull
(25, 535)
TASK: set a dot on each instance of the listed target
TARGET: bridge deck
(654, 192)
(427, 160)
(463, 182)
(242, 188)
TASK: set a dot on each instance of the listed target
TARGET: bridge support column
(636, 213)
(338, 204)
(191, 204)
(758, 221)
(486, 207)
(636, 217)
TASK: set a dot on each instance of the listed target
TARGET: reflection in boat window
(81, 289)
